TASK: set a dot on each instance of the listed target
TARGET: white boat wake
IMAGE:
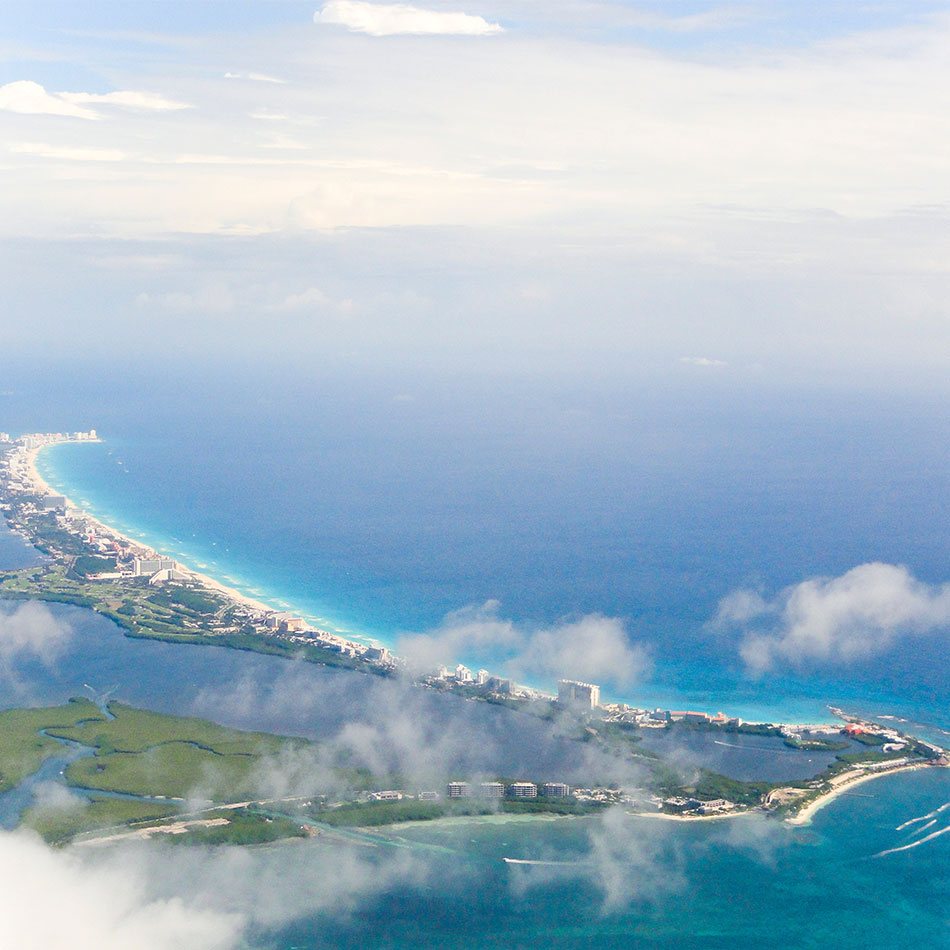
(733, 745)
(543, 864)
(931, 814)
(914, 844)
(923, 828)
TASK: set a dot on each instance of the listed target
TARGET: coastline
(283, 607)
(663, 816)
(203, 579)
(805, 815)
(207, 581)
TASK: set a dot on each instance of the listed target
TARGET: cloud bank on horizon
(838, 620)
(554, 125)
(740, 188)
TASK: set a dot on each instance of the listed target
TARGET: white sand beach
(848, 781)
(203, 579)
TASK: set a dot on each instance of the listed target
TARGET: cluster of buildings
(694, 806)
(484, 681)
(658, 718)
(572, 694)
(297, 630)
(38, 440)
(138, 561)
(512, 790)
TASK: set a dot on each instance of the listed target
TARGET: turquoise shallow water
(640, 883)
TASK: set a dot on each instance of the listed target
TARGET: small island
(136, 772)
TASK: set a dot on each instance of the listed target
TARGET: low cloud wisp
(30, 632)
(30, 98)
(856, 616)
(592, 648)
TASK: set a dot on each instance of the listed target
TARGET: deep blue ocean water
(380, 504)
(376, 505)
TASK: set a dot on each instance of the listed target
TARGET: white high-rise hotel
(578, 695)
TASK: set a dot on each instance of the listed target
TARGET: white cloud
(32, 630)
(389, 19)
(282, 141)
(836, 619)
(701, 361)
(55, 798)
(717, 19)
(127, 99)
(629, 861)
(213, 297)
(312, 299)
(103, 907)
(153, 896)
(594, 647)
(255, 77)
(30, 98)
(70, 153)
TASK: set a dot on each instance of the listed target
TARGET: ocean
(378, 505)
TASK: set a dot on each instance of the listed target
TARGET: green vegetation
(194, 600)
(857, 758)
(372, 814)
(868, 738)
(712, 785)
(753, 729)
(243, 828)
(175, 770)
(23, 747)
(171, 615)
(623, 733)
(50, 538)
(137, 730)
(147, 753)
(60, 824)
(816, 745)
(89, 564)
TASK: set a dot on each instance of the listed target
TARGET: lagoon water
(379, 506)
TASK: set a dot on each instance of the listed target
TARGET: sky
(755, 188)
